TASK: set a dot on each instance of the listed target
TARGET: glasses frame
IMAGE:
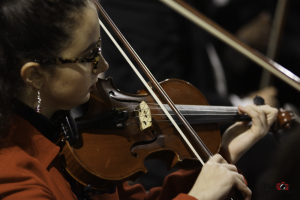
(94, 59)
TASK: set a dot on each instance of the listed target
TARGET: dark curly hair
(31, 29)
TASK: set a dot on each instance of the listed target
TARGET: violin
(119, 131)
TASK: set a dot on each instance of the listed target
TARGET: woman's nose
(102, 65)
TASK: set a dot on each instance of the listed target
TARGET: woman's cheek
(71, 87)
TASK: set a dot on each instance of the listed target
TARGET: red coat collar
(30, 140)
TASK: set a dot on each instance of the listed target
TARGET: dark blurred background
(173, 47)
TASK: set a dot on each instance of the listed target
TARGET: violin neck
(198, 114)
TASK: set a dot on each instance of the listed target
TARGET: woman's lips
(93, 86)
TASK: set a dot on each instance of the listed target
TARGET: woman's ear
(31, 75)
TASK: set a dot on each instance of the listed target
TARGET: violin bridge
(144, 115)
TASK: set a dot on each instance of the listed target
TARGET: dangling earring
(39, 100)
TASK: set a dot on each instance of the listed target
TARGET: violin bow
(199, 19)
(274, 40)
(199, 144)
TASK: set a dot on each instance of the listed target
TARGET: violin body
(107, 157)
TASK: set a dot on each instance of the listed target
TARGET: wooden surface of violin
(118, 133)
(107, 157)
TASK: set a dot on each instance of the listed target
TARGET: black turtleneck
(47, 127)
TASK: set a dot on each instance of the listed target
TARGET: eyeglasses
(94, 58)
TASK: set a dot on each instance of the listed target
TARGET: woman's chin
(86, 99)
(78, 103)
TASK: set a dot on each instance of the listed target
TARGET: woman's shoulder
(12, 156)
(15, 163)
(25, 156)
(24, 143)
(21, 174)
(19, 160)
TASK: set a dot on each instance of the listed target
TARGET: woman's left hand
(239, 137)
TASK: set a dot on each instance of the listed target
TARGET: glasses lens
(96, 58)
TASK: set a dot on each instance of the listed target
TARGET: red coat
(30, 170)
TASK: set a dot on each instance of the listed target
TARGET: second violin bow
(199, 19)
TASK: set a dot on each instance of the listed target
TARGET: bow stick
(200, 146)
(196, 17)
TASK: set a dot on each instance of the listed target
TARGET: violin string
(183, 114)
(166, 120)
(221, 112)
(206, 108)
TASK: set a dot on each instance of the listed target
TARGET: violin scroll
(284, 118)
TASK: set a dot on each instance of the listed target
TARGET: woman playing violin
(50, 58)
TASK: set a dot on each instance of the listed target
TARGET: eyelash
(92, 52)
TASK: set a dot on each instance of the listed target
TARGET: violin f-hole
(143, 143)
